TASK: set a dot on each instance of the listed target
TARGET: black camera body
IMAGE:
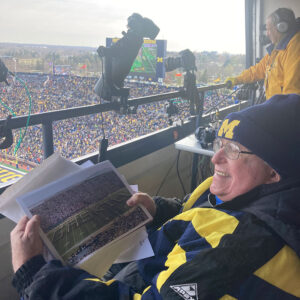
(119, 58)
(206, 136)
(3, 72)
(186, 60)
(171, 109)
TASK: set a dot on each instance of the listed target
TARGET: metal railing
(46, 119)
(124, 153)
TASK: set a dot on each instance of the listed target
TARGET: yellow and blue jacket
(247, 248)
(279, 68)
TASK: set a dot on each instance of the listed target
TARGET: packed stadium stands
(79, 136)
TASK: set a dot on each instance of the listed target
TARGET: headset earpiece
(281, 26)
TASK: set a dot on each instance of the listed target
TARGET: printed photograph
(87, 216)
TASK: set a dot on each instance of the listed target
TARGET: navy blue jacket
(247, 248)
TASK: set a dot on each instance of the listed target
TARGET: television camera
(206, 136)
(187, 61)
(6, 135)
(118, 59)
(116, 64)
(3, 72)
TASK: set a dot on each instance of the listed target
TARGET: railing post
(48, 139)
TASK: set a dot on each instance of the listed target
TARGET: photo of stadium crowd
(96, 207)
(118, 228)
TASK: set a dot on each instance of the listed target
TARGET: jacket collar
(267, 203)
(262, 191)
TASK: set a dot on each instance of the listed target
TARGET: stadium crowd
(118, 228)
(82, 196)
(79, 136)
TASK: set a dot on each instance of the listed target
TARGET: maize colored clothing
(280, 68)
(247, 248)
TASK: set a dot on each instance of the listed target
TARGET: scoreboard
(149, 63)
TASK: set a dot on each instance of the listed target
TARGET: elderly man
(280, 66)
(236, 237)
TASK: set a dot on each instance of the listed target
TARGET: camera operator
(280, 66)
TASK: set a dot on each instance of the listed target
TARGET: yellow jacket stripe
(282, 271)
(204, 186)
(208, 223)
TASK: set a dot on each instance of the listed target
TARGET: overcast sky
(200, 25)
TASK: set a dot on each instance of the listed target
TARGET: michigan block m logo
(227, 128)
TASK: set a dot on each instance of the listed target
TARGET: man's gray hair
(283, 15)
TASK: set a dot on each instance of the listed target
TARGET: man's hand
(231, 82)
(144, 199)
(25, 241)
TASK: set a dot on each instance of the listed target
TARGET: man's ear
(274, 176)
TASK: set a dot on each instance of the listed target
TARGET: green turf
(12, 167)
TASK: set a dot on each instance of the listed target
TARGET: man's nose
(219, 156)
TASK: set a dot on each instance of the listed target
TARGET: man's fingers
(144, 199)
(133, 199)
(21, 224)
(33, 225)
(130, 202)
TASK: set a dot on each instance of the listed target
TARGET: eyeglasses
(231, 150)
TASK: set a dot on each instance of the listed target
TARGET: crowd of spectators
(78, 136)
(57, 209)
(119, 227)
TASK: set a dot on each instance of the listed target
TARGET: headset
(281, 26)
(283, 18)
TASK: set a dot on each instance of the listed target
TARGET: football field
(8, 175)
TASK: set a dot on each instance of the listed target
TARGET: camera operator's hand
(25, 241)
(144, 199)
(231, 82)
